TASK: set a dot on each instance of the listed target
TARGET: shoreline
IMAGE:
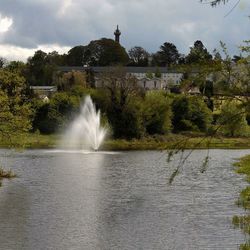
(157, 142)
(243, 222)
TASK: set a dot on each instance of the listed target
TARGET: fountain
(86, 132)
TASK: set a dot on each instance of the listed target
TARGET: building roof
(49, 88)
(128, 69)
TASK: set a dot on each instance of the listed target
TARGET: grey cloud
(143, 22)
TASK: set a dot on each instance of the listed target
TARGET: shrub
(190, 113)
(156, 111)
(232, 119)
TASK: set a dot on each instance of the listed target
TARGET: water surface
(106, 201)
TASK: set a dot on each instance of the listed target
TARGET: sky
(30, 25)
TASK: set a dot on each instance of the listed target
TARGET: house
(44, 92)
(148, 77)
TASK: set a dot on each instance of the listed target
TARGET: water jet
(86, 131)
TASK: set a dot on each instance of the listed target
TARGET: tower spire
(117, 34)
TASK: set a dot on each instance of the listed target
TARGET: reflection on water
(119, 201)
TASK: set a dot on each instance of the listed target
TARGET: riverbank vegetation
(154, 142)
(243, 222)
(6, 174)
(132, 114)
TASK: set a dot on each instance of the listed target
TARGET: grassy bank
(188, 141)
(177, 141)
(243, 222)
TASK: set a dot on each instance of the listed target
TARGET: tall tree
(75, 56)
(36, 68)
(167, 55)
(104, 52)
(41, 67)
(122, 114)
(138, 56)
(198, 54)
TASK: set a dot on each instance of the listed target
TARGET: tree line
(128, 110)
(40, 68)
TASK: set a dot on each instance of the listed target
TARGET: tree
(41, 67)
(138, 56)
(122, 111)
(149, 75)
(36, 68)
(54, 58)
(156, 113)
(55, 115)
(75, 56)
(104, 52)
(217, 56)
(157, 73)
(17, 66)
(237, 58)
(232, 119)
(70, 80)
(167, 55)
(15, 114)
(190, 113)
(198, 54)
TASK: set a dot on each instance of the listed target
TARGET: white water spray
(86, 132)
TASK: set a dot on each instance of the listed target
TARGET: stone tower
(117, 34)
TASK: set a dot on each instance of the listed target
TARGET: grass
(243, 222)
(158, 142)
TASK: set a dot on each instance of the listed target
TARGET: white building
(148, 77)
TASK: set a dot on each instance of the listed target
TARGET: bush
(232, 119)
(126, 122)
(156, 112)
(49, 117)
(190, 113)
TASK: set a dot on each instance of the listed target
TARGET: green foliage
(198, 54)
(190, 113)
(126, 119)
(157, 73)
(149, 75)
(157, 113)
(75, 56)
(55, 115)
(232, 119)
(70, 80)
(167, 55)
(15, 113)
(104, 52)
(17, 67)
(243, 222)
(138, 56)
(41, 67)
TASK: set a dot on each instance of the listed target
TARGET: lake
(106, 200)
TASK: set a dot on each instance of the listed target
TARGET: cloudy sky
(29, 25)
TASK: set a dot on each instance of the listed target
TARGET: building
(148, 77)
(44, 92)
(117, 34)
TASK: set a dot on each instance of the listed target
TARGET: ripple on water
(119, 200)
